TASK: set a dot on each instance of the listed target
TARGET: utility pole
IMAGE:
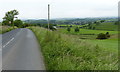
(48, 15)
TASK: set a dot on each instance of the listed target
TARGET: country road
(20, 51)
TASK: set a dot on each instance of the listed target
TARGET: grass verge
(4, 29)
(64, 52)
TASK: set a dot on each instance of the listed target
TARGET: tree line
(11, 19)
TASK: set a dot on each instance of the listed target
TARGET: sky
(37, 9)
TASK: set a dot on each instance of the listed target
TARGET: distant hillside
(67, 21)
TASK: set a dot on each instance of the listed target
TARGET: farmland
(67, 51)
(107, 26)
(64, 49)
(59, 35)
(90, 35)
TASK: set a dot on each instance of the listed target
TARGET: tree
(107, 34)
(102, 21)
(93, 28)
(97, 23)
(5, 22)
(117, 23)
(25, 25)
(68, 29)
(90, 27)
(51, 26)
(18, 23)
(76, 29)
(70, 25)
(10, 15)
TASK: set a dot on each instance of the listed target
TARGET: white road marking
(11, 39)
(8, 42)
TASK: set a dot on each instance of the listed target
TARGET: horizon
(64, 18)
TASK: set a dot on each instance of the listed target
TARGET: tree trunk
(12, 24)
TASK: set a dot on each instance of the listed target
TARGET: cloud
(60, 8)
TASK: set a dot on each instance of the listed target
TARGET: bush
(70, 25)
(107, 34)
(18, 23)
(93, 28)
(102, 21)
(117, 23)
(76, 29)
(51, 26)
(103, 36)
(97, 23)
(90, 27)
(68, 29)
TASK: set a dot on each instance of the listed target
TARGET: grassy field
(108, 44)
(91, 35)
(109, 26)
(86, 31)
(106, 26)
(69, 52)
(73, 25)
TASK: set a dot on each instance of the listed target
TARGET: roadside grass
(66, 52)
(4, 29)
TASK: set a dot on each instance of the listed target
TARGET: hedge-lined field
(86, 33)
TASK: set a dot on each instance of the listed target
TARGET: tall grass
(64, 52)
(4, 29)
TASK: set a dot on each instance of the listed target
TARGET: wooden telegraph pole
(48, 15)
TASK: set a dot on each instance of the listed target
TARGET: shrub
(117, 23)
(76, 29)
(102, 21)
(107, 34)
(51, 26)
(68, 29)
(101, 36)
(97, 23)
(93, 28)
(90, 27)
(18, 23)
(70, 25)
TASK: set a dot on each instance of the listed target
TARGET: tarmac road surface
(20, 51)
